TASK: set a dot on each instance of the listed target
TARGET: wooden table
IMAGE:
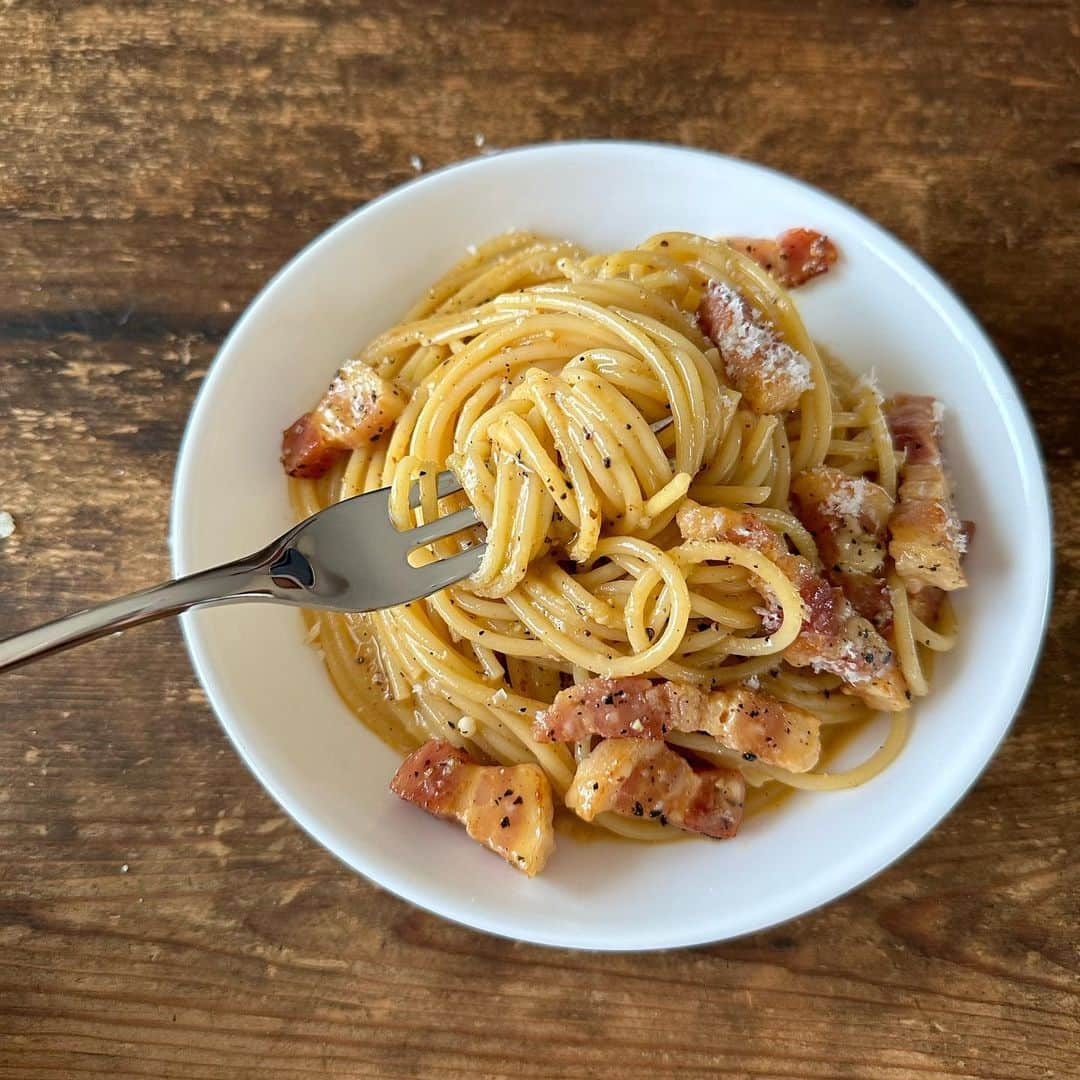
(159, 917)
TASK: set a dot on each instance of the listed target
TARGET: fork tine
(438, 575)
(446, 483)
(440, 527)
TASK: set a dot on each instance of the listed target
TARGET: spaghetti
(539, 374)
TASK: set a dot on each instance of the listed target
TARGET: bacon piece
(764, 368)
(507, 808)
(305, 450)
(928, 539)
(868, 594)
(750, 722)
(848, 518)
(926, 605)
(359, 407)
(650, 780)
(793, 258)
(833, 637)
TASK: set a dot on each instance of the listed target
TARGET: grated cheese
(869, 381)
(846, 665)
(848, 499)
(955, 534)
(747, 338)
(771, 618)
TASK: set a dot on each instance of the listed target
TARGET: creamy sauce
(367, 697)
(393, 722)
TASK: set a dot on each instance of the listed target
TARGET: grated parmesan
(869, 381)
(771, 618)
(747, 338)
(846, 664)
(848, 500)
(955, 533)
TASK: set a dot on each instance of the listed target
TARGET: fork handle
(245, 579)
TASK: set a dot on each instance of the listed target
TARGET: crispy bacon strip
(359, 407)
(833, 637)
(848, 517)
(650, 780)
(764, 368)
(793, 258)
(507, 808)
(750, 722)
(306, 451)
(926, 605)
(928, 539)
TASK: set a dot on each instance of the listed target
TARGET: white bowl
(881, 307)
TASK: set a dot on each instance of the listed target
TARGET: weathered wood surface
(158, 915)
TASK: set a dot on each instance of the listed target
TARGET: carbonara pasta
(678, 491)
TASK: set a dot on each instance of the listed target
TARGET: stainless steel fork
(348, 557)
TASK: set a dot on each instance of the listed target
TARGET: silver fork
(348, 557)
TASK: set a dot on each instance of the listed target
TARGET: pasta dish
(711, 551)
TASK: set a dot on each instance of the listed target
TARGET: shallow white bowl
(880, 308)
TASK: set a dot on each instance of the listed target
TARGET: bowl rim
(935, 291)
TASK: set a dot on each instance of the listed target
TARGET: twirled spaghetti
(538, 373)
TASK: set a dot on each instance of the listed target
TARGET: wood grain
(158, 915)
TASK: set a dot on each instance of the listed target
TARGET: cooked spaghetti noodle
(538, 374)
